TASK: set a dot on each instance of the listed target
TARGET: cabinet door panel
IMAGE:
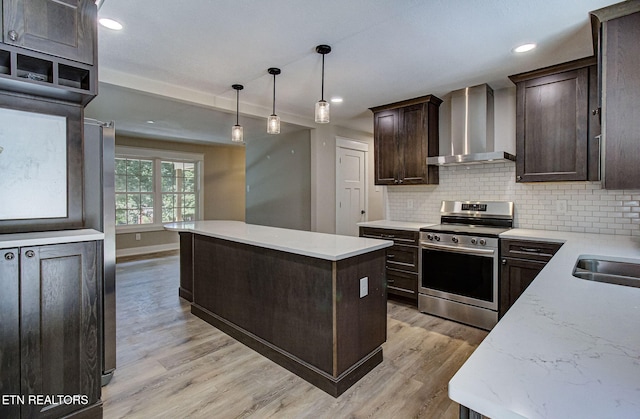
(515, 276)
(63, 28)
(385, 147)
(413, 147)
(621, 93)
(552, 127)
(59, 325)
(9, 331)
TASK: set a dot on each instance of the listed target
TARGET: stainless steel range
(459, 261)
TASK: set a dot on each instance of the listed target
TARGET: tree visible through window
(155, 190)
(178, 191)
(134, 191)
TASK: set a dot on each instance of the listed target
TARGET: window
(154, 187)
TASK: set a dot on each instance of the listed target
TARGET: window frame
(157, 156)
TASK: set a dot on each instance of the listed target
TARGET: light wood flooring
(172, 364)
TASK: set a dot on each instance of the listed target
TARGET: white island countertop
(307, 243)
(49, 237)
(568, 347)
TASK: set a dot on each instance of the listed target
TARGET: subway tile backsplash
(565, 206)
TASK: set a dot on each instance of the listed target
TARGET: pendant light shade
(236, 131)
(322, 106)
(273, 122)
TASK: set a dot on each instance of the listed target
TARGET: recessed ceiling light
(336, 100)
(524, 48)
(151, 122)
(110, 24)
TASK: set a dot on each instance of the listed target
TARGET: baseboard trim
(143, 250)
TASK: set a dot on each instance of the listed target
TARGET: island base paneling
(304, 313)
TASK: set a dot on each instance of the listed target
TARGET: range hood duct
(472, 129)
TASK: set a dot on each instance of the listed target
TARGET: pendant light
(322, 106)
(273, 122)
(236, 131)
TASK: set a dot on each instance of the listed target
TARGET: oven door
(461, 274)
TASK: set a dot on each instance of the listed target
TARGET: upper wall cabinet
(617, 36)
(64, 28)
(405, 134)
(48, 48)
(557, 123)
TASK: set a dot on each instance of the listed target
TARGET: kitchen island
(567, 348)
(314, 303)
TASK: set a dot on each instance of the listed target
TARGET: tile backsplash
(565, 206)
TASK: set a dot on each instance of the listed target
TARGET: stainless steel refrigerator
(99, 214)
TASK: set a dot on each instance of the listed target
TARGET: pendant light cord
(237, 105)
(322, 90)
(274, 94)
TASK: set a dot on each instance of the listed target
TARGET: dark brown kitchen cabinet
(55, 347)
(556, 128)
(63, 28)
(617, 30)
(401, 261)
(521, 262)
(48, 49)
(405, 134)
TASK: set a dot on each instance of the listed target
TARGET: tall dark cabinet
(617, 36)
(405, 134)
(556, 128)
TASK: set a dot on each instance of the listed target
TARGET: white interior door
(351, 203)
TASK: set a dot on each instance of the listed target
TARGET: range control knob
(429, 236)
(483, 242)
(454, 239)
(437, 238)
(474, 241)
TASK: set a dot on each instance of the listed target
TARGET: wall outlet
(364, 286)
(138, 236)
(561, 206)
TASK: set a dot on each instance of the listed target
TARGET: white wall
(323, 177)
(278, 181)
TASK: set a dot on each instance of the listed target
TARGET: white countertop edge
(396, 225)
(305, 243)
(49, 237)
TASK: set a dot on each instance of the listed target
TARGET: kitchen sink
(608, 271)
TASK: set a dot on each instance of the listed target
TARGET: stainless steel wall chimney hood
(472, 129)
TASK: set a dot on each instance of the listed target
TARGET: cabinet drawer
(404, 258)
(530, 250)
(404, 284)
(405, 237)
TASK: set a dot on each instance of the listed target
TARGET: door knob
(362, 212)
(13, 35)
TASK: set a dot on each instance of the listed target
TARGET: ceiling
(174, 62)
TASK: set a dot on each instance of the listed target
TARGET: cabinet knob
(13, 35)
(9, 256)
(400, 181)
(595, 111)
(362, 212)
(30, 253)
(395, 180)
(504, 261)
(518, 178)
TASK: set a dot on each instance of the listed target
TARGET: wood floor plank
(172, 364)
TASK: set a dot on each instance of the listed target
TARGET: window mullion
(157, 191)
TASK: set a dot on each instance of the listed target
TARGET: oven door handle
(456, 249)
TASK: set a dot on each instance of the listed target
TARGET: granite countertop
(568, 347)
(319, 245)
(48, 237)
(395, 225)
